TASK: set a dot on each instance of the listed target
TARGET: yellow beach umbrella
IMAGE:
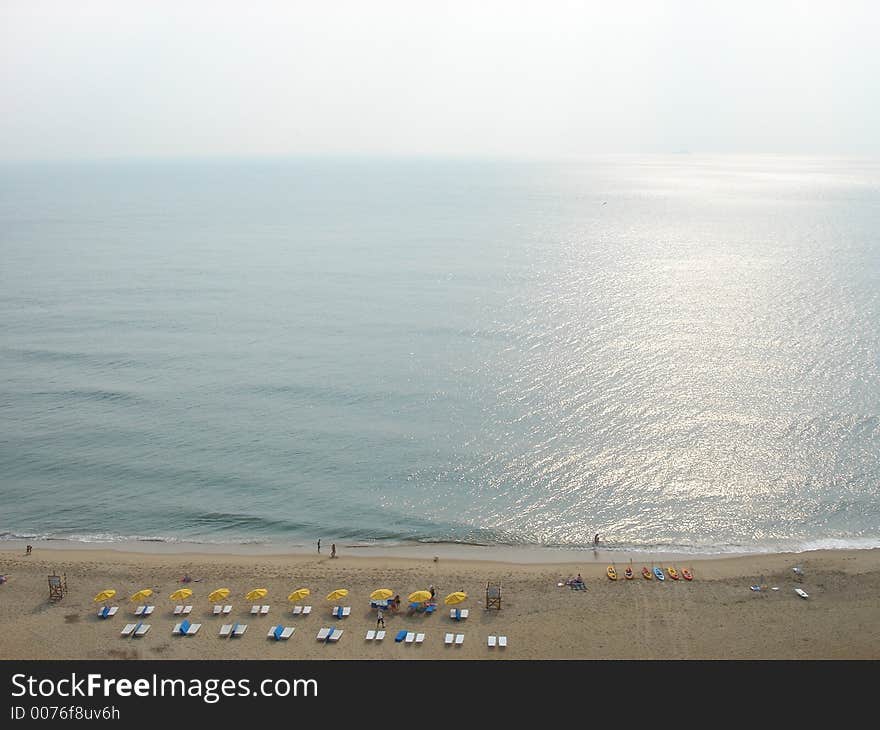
(181, 594)
(380, 594)
(299, 594)
(454, 598)
(141, 595)
(419, 597)
(105, 595)
(218, 595)
(256, 594)
(337, 594)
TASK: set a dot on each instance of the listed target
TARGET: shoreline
(716, 616)
(512, 554)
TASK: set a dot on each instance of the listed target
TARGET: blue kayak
(659, 574)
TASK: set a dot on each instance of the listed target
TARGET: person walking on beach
(319, 546)
(333, 550)
(380, 619)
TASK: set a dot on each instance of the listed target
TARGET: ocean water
(681, 353)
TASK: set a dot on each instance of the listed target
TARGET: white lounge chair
(410, 637)
(448, 639)
(143, 629)
(502, 641)
(187, 610)
(493, 640)
(264, 610)
(139, 611)
(307, 610)
(297, 610)
(218, 609)
(178, 610)
(371, 635)
(380, 635)
(225, 630)
(239, 630)
(420, 638)
(255, 610)
(323, 633)
(334, 635)
(459, 639)
(148, 610)
(127, 629)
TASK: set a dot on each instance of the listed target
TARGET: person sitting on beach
(395, 604)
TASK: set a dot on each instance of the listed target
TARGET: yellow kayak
(612, 573)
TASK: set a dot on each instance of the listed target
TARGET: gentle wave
(390, 543)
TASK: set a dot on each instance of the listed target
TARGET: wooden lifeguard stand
(57, 587)
(493, 594)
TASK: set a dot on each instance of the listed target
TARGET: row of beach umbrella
(222, 594)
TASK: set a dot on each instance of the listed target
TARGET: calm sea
(681, 353)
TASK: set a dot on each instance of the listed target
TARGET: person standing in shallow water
(319, 546)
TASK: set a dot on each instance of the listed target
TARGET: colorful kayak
(647, 574)
(628, 573)
(673, 573)
(659, 574)
(686, 574)
(612, 573)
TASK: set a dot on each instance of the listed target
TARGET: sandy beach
(715, 616)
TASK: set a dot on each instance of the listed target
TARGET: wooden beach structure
(493, 594)
(57, 587)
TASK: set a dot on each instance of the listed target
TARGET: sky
(98, 79)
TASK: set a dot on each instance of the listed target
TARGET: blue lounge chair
(430, 608)
(401, 635)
